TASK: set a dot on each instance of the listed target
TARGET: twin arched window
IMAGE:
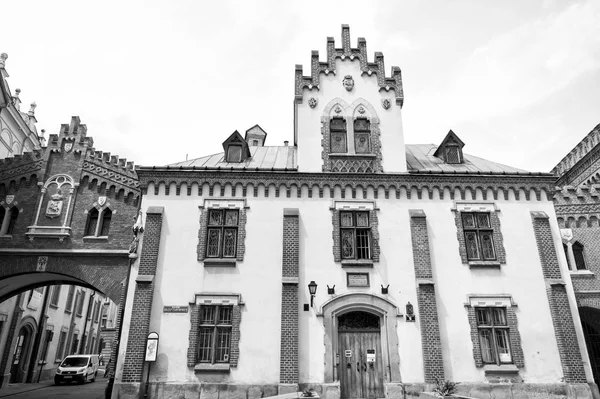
(98, 222)
(578, 257)
(360, 136)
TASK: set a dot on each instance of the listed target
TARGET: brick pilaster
(142, 300)
(430, 330)
(562, 319)
(288, 366)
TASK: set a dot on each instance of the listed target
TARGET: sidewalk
(13, 389)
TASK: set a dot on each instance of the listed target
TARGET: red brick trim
(288, 361)
(142, 300)
(431, 344)
(560, 310)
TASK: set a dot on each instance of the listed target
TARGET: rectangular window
(355, 233)
(95, 314)
(222, 233)
(214, 336)
(55, 295)
(80, 304)
(62, 339)
(234, 153)
(69, 304)
(452, 154)
(493, 335)
(479, 236)
(338, 135)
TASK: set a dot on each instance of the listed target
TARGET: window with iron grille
(355, 231)
(362, 136)
(479, 236)
(338, 134)
(494, 336)
(222, 233)
(214, 335)
(234, 153)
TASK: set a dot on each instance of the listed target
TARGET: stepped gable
(581, 164)
(378, 67)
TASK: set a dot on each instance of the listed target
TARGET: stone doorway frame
(388, 313)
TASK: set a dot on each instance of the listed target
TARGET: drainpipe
(87, 314)
(38, 338)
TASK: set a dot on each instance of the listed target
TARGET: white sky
(518, 81)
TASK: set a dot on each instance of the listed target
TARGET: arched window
(578, 255)
(338, 135)
(98, 222)
(106, 215)
(362, 136)
(92, 222)
(8, 219)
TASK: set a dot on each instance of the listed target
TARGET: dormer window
(234, 153)
(450, 150)
(362, 136)
(236, 148)
(338, 136)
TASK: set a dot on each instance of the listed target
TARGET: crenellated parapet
(581, 164)
(20, 169)
(394, 82)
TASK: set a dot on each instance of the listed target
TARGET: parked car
(80, 368)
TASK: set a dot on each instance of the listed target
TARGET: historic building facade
(577, 203)
(349, 262)
(66, 217)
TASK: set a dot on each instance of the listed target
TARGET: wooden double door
(360, 368)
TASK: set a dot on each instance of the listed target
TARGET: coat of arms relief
(55, 205)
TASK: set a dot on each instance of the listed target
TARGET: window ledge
(483, 264)
(94, 238)
(6, 237)
(582, 274)
(368, 263)
(220, 367)
(53, 306)
(68, 311)
(502, 369)
(343, 155)
(220, 262)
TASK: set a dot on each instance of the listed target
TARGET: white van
(80, 368)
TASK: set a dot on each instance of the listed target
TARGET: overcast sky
(518, 81)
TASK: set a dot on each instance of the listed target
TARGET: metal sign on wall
(175, 309)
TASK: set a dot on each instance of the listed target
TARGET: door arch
(22, 351)
(383, 309)
(590, 322)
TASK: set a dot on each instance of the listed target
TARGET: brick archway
(102, 272)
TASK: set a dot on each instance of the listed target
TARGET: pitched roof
(419, 158)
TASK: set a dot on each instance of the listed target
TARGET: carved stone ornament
(9, 199)
(42, 262)
(101, 201)
(386, 104)
(312, 102)
(361, 110)
(55, 205)
(68, 147)
(338, 109)
(566, 234)
(348, 82)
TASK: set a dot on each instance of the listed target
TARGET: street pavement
(47, 390)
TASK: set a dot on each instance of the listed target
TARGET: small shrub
(444, 387)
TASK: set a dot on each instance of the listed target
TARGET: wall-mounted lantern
(410, 312)
(331, 290)
(384, 290)
(312, 289)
